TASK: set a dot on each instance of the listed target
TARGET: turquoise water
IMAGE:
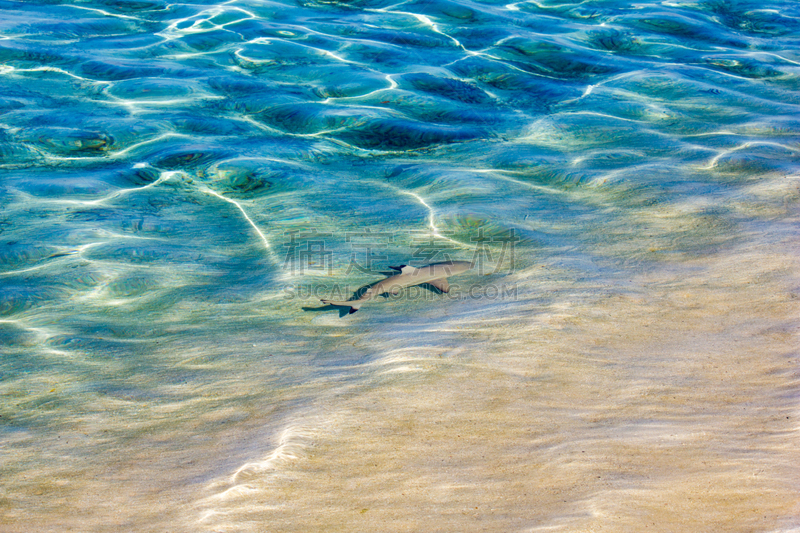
(181, 183)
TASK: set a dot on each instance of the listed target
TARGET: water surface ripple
(181, 183)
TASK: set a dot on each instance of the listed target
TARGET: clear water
(181, 183)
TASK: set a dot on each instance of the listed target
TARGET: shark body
(435, 274)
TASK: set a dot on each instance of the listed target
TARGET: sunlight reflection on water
(181, 184)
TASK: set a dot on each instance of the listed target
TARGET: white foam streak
(134, 106)
(392, 85)
(165, 176)
(159, 138)
(723, 153)
(105, 13)
(8, 69)
(173, 32)
(250, 478)
(498, 174)
(241, 209)
(432, 219)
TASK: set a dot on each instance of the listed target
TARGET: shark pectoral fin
(441, 284)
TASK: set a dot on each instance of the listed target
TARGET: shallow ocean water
(181, 183)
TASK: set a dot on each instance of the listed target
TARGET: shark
(435, 274)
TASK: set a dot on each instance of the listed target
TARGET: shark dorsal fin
(404, 269)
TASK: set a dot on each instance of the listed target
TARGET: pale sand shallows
(671, 406)
(663, 400)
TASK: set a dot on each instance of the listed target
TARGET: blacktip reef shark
(435, 274)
